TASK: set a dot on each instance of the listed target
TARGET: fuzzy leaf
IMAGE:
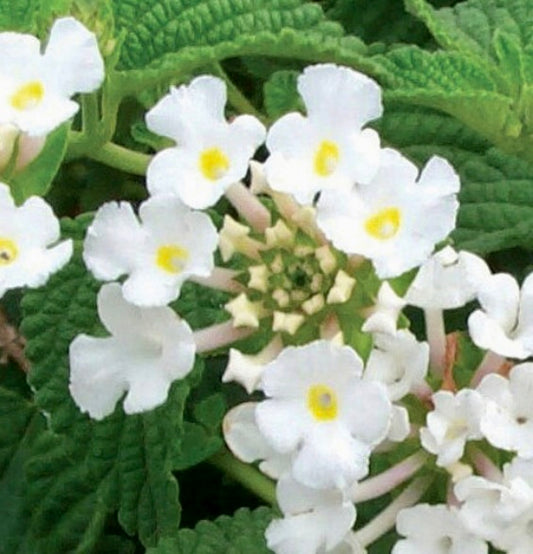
(36, 178)
(91, 468)
(241, 534)
(21, 425)
(281, 94)
(485, 78)
(166, 26)
(496, 197)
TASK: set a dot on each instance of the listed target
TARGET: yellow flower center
(322, 402)
(8, 251)
(385, 224)
(326, 158)
(213, 163)
(28, 96)
(171, 258)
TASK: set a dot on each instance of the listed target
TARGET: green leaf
(92, 468)
(21, 425)
(281, 95)
(36, 178)
(154, 29)
(485, 78)
(30, 16)
(496, 197)
(241, 534)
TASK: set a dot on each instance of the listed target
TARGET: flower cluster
(327, 241)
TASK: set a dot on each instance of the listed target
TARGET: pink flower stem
(490, 364)
(485, 466)
(249, 206)
(219, 335)
(386, 519)
(221, 279)
(387, 480)
(436, 336)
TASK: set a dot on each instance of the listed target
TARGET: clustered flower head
(325, 245)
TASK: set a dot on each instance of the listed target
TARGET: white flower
(398, 361)
(384, 315)
(505, 322)
(395, 220)
(320, 409)
(211, 154)
(246, 442)
(435, 529)
(36, 88)
(315, 521)
(170, 244)
(455, 419)
(501, 512)
(507, 421)
(447, 280)
(326, 149)
(26, 232)
(148, 350)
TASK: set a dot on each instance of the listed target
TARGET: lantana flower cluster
(328, 240)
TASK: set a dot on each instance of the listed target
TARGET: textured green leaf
(165, 26)
(496, 197)
(36, 178)
(485, 78)
(241, 534)
(30, 16)
(21, 425)
(281, 95)
(92, 468)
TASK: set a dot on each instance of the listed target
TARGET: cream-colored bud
(244, 312)
(258, 277)
(258, 182)
(342, 288)
(279, 235)
(313, 304)
(326, 259)
(281, 297)
(233, 237)
(459, 471)
(289, 323)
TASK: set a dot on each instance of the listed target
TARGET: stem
(110, 154)
(436, 336)
(89, 114)
(235, 97)
(221, 279)
(389, 479)
(246, 475)
(485, 466)
(490, 364)
(386, 519)
(249, 206)
(219, 335)
(12, 344)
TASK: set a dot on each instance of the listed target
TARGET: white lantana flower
(328, 148)
(36, 88)
(246, 442)
(397, 219)
(455, 419)
(500, 512)
(435, 529)
(507, 420)
(211, 154)
(148, 350)
(448, 280)
(315, 521)
(320, 409)
(170, 244)
(398, 361)
(27, 233)
(505, 323)
(384, 315)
